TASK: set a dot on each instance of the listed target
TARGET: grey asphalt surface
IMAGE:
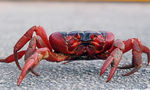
(125, 20)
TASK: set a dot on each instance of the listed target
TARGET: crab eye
(93, 36)
(101, 37)
(77, 36)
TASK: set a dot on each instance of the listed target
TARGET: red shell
(81, 43)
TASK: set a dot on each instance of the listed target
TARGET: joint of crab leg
(16, 60)
(119, 44)
(21, 42)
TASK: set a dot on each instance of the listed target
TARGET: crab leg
(32, 62)
(127, 66)
(36, 57)
(11, 58)
(147, 51)
(136, 63)
(30, 50)
(36, 41)
(113, 59)
(137, 49)
(26, 37)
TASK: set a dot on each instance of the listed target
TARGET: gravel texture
(125, 20)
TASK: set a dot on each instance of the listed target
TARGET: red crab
(63, 46)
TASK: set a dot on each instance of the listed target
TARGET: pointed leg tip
(38, 75)
(35, 73)
(2, 60)
(20, 79)
(101, 73)
(107, 80)
(147, 64)
(18, 83)
(125, 75)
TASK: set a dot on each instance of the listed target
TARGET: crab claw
(114, 60)
(30, 64)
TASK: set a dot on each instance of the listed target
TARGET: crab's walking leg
(35, 42)
(36, 57)
(147, 51)
(113, 59)
(26, 37)
(11, 58)
(137, 49)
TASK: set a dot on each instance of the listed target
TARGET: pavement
(125, 20)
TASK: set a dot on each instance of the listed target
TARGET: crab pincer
(114, 60)
(32, 62)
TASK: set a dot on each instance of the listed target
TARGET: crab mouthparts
(86, 43)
